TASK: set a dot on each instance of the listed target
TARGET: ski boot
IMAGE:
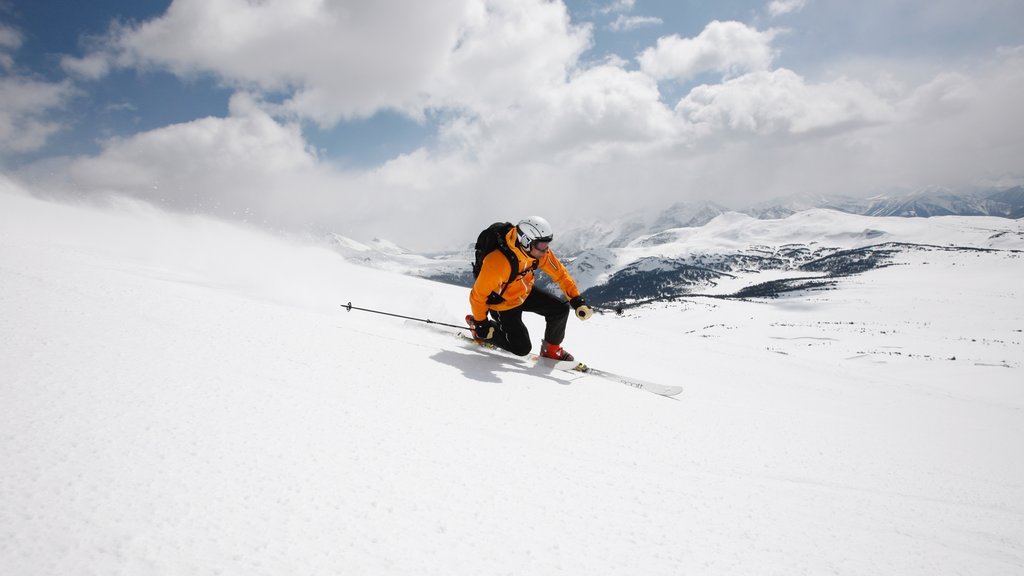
(554, 351)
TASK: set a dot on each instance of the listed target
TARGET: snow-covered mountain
(619, 260)
(620, 231)
(738, 255)
(941, 202)
(924, 203)
(180, 395)
(733, 254)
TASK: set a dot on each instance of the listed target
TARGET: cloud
(507, 54)
(774, 133)
(962, 129)
(626, 23)
(24, 108)
(780, 7)
(26, 104)
(91, 67)
(599, 114)
(337, 61)
(780, 101)
(247, 167)
(10, 40)
(726, 47)
(224, 166)
(617, 6)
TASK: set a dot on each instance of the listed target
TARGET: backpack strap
(513, 263)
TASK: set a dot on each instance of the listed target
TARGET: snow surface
(184, 396)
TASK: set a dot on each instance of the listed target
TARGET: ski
(659, 389)
(565, 365)
(573, 366)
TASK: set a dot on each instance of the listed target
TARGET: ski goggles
(542, 245)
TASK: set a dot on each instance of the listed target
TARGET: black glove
(583, 312)
(483, 329)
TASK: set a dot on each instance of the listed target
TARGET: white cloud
(781, 101)
(338, 59)
(775, 133)
(780, 7)
(598, 114)
(617, 6)
(91, 67)
(344, 60)
(252, 168)
(962, 128)
(626, 23)
(508, 54)
(10, 40)
(26, 103)
(730, 48)
(224, 166)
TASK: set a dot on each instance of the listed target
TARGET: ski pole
(618, 310)
(349, 307)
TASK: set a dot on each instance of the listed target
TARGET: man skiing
(505, 292)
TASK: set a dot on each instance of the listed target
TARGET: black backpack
(490, 239)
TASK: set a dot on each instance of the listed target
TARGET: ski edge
(659, 389)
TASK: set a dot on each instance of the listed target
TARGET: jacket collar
(512, 239)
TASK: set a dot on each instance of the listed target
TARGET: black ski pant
(512, 334)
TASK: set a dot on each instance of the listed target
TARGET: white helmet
(533, 229)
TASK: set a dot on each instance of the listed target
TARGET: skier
(504, 295)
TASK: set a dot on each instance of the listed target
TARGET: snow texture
(184, 396)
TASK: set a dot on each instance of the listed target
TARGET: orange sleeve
(493, 275)
(551, 265)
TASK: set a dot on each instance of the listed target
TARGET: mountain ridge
(702, 248)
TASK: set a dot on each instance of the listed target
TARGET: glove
(483, 329)
(583, 312)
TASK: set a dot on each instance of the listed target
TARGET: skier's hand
(483, 329)
(583, 312)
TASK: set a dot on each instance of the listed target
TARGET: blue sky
(365, 117)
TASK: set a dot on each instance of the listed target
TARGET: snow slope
(184, 396)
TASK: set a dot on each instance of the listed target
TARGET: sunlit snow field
(184, 396)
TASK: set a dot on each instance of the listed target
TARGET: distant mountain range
(1004, 203)
(937, 202)
(705, 249)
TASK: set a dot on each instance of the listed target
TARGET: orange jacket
(494, 275)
